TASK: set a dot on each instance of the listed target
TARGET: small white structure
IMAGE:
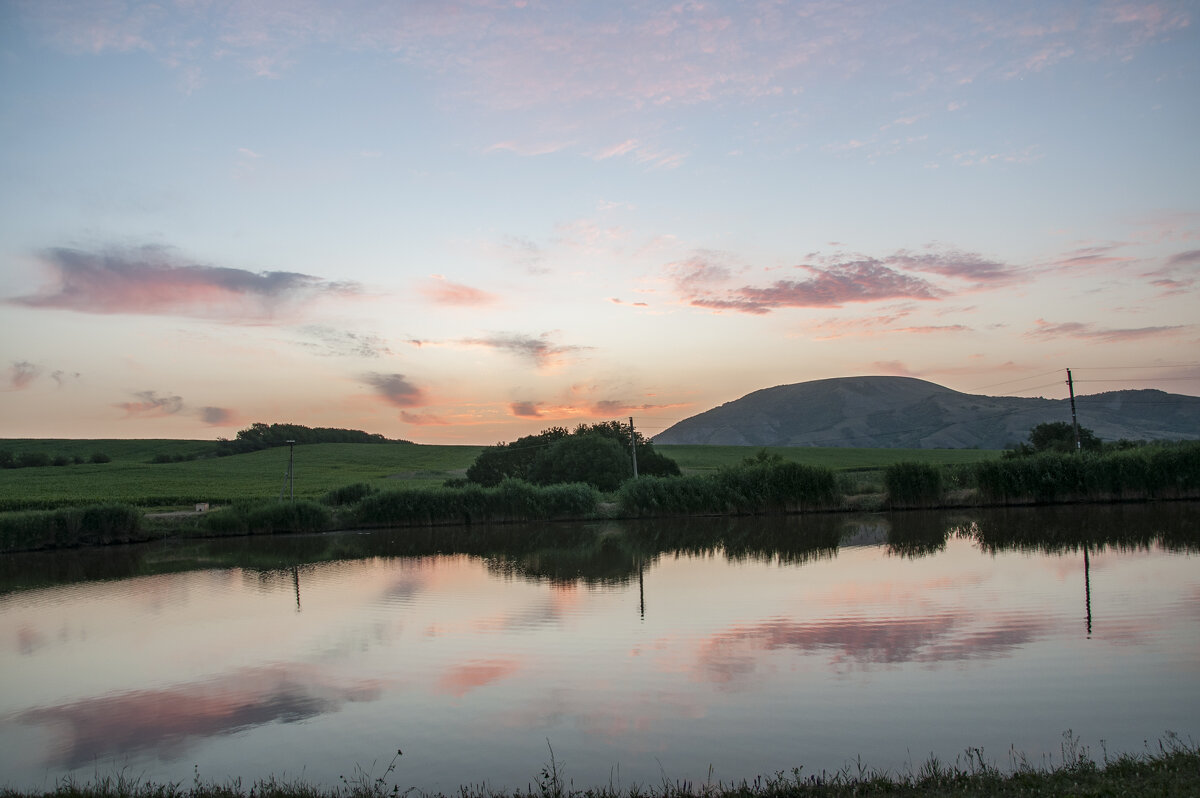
(202, 507)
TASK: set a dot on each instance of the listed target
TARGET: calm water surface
(639, 651)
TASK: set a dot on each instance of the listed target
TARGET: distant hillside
(902, 412)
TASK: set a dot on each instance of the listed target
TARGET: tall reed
(913, 485)
(755, 487)
(69, 526)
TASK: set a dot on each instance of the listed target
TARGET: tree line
(265, 436)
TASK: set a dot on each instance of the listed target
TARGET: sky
(466, 221)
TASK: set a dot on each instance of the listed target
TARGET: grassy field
(131, 476)
(701, 459)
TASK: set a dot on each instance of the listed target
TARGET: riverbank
(763, 486)
(1172, 769)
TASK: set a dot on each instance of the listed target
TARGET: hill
(903, 412)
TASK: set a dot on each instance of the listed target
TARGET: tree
(544, 458)
(1059, 436)
(592, 458)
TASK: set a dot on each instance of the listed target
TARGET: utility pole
(633, 446)
(288, 480)
(1074, 420)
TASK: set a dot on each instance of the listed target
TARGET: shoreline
(174, 524)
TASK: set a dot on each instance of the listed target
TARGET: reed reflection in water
(751, 645)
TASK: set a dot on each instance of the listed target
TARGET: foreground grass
(1173, 769)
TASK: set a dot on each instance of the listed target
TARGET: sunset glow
(465, 221)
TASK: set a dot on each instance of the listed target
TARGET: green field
(131, 477)
(701, 459)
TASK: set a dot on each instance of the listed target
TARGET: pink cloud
(958, 265)
(151, 280)
(1090, 332)
(837, 280)
(443, 292)
(862, 281)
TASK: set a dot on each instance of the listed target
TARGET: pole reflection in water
(1087, 589)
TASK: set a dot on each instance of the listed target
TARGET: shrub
(32, 460)
(101, 457)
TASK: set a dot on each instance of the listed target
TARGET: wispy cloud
(1090, 332)
(893, 368)
(21, 374)
(623, 56)
(396, 389)
(423, 419)
(441, 291)
(539, 350)
(529, 149)
(1189, 258)
(653, 157)
(340, 343)
(153, 280)
(150, 405)
(1092, 256)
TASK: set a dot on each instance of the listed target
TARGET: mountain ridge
(910, 413)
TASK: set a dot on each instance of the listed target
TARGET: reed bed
(910, 485)
(1152, 472)
(69, 526)
(511, 500)
(761, 487)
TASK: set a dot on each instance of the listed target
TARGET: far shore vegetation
(1171, 767)
(115, 491)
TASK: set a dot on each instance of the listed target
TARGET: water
(714, 649)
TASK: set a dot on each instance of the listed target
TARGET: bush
(32, 460)
(913, 485)
(101, 457)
